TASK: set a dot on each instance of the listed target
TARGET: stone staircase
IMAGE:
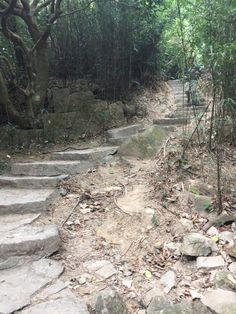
(27, 276)
(183, 113)
(25, 195)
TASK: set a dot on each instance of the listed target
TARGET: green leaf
(148, 274)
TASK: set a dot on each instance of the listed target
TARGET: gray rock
(144, 145)
(212, 231)
(154, 292)
(22, 182)
(168, 280)
(195, 244)
(232, 250)
(210, 262)
(187, 224)
(53, 290)
(93, 154)
(160, 305)
(225, 280)
(122, 132)
(202, 203)
(106, 271)
(51, 168)
(227, 236)
(220, 301)
(101, 268)
(110, 302)
(174, 247)
(27, 242)
(69, 305)
(16, 201)
(11, 222)
(232, 267)
(141, 312)
(18, 285)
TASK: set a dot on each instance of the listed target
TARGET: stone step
(175, 82)
(11, 222)
(25, 182)
(19, 285)
(51, 167)
(18, 246)
(184, 110)
(64, 305)
(170, 121)
(18, 201)
(123, 132)
(120, 140)
(93, 154)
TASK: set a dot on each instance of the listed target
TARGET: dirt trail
(117, 221)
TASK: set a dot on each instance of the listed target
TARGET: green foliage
(115, 43)
(4, 166)
(194, 190)
(202, 32)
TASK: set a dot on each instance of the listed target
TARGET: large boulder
(225, 280)
(144, 145)
(160, 305)
(195, 244)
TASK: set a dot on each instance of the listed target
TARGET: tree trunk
(12, 114)
(42, 74)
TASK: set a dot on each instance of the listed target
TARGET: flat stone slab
(70, 305)
(220, 301)
(170, 121)
(123, 132)
(18, 285)
(93, 154)
(27, 242)
(11, 222)
(24, 182)
(51, 168)
(210, 262)
(101, 268)
(16, 201)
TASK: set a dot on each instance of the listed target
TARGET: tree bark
(12, 114)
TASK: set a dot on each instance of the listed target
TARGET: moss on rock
(144, 145)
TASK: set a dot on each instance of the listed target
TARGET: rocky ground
(138, 229)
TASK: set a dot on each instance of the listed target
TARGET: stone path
(28, 279)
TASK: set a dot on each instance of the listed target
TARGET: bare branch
(34, 4)
(13, 36)
(26, 6)
(42, 5)
(78, 10)
(11, 6)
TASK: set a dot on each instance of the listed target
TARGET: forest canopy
(120, 44)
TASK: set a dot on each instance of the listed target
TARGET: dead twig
(117, 205)
(71, 212)
(171, 211)
(124, 186)
(165, 145)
